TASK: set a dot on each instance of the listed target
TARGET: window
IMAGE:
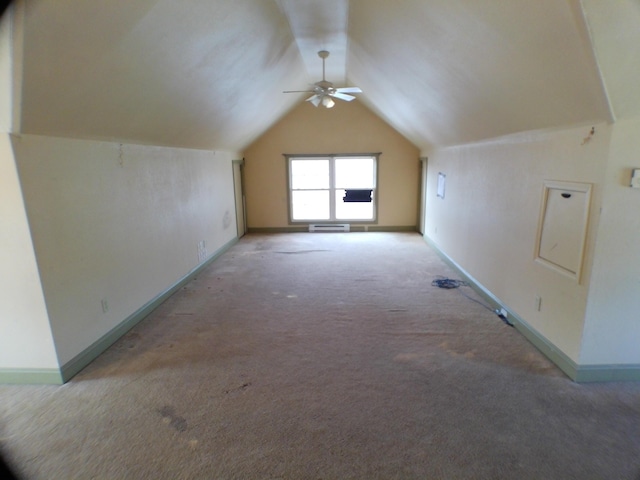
(332, 188)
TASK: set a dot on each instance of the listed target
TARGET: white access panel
(563, 226)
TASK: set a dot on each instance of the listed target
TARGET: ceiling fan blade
(315, 99)
(349, 90)
(342, 96)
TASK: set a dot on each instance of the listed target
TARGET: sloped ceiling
(210, 73)
(456, 71)
(616, 38)
(203, 74)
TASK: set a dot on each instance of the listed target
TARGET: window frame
(289, 158)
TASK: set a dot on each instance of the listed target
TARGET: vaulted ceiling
(210, 73)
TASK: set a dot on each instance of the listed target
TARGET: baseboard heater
(329, 227)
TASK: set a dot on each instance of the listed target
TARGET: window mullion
(332, 188)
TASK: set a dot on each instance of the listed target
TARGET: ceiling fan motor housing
(324, 84)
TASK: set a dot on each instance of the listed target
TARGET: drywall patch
(226, 220)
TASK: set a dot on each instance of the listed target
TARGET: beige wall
(346, 128)
(488, 221)
(119, 223)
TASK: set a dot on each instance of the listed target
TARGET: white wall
(488, 221)
(119, 223)
(26, 341)
(612, 325)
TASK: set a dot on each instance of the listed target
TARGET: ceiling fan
(324, 92)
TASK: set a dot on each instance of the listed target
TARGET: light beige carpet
(322, 356)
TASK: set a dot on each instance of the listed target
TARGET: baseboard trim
(292, 229)
(31, 376)
(608, 373)
(84, 358)
(577, 373)
(353, 228)
(392, 228)
(547, 348)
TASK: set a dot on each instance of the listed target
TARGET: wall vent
(329, 227)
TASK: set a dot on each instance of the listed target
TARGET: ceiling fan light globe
(327, 102)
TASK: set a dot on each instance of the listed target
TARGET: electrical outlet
(105, 305)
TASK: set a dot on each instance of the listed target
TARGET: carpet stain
(296, 252)
(406, 357)
(412, 357)
(170, 417)
(238, 389)
(129, 341)
(445, 346)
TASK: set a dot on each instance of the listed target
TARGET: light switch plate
(635, 178)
